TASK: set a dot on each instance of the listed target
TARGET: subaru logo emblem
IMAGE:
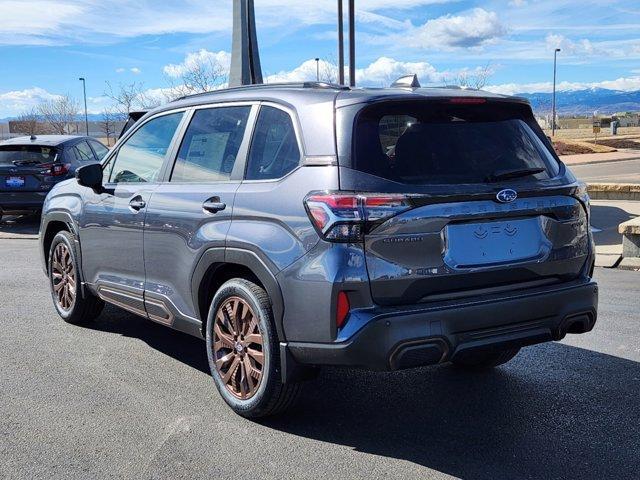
(506, 196)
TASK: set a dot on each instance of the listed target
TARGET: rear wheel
(67, 297)
(484, 360)
(243, 351)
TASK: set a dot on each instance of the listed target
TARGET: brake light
(341, 217)
(342, 309)
(55, 169)
(468, 100)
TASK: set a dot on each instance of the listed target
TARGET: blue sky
(45, 45)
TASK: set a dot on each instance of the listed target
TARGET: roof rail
(322, 85)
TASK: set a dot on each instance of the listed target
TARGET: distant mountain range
(585, 102)
(93, 117)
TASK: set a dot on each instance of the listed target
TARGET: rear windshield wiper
(508, 174)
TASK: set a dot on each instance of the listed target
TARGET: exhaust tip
(575, 324)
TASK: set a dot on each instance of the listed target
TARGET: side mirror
(90, 176)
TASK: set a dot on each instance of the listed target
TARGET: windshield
(441, 143)
(26, 155)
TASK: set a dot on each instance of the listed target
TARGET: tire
(70, 303)
(240, 334)
(484, 360)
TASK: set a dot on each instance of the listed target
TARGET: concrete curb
(614, 191)
(597, 162)
(17, 236)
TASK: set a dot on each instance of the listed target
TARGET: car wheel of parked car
(243, 351)
(484, 360)
(71, 304)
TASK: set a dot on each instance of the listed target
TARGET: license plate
(478, 244)
(14, 182)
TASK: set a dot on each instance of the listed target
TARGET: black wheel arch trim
(253, 262)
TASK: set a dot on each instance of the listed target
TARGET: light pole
(86, 117)
(317, 69)
(340, 44)
(352, 43)
(553, 109)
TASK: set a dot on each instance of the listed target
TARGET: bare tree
(329, 69)
(108, 124)
(198, 77)
(27, 123)
(59, 114)
(477, 78)
(129, 97)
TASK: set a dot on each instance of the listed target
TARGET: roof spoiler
(407, 81)
(131, 121)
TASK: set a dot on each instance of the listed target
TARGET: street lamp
(553, 112)
(352, 43)
(86, 117)
(340, 44)
(318, 69)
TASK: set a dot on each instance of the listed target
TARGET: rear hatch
(482, 205)
(28, 168)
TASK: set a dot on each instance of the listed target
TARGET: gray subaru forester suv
(300, 225)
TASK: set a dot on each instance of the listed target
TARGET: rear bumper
(17, 202)
(393, 339)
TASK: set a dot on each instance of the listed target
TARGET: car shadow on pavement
(607, 218)
(19, 226)
(180, 346)
(555, 411)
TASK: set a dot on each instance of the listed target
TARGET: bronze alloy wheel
(238, 348)
(63, 276)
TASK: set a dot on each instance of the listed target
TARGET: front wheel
(243, 351)
(484, 360)
(67, 297)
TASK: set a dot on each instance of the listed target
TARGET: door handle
(137, 204)
(214, 206)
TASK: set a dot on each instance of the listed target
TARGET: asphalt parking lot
(127, 398)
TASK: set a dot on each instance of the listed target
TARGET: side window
(141, 157)
(211, 144)
(99, 148)
(274, 149)
(83, 152)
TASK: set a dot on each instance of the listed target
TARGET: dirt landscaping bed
(573, 147)
(616, 143)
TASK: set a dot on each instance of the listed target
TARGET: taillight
(468, 100)
(346, 217)
(342, 309)
(55, 169)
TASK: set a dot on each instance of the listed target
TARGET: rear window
(26, 155)
(443, 143)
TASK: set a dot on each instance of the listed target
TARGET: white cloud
(472, 29)
(518, 3)
(120, 70)
(135, 70)
(35, 22)
(380, 73)
(469, 30)
(583, 47)
(201, 57)
(96, 21)
(385, 70)
(16, 102)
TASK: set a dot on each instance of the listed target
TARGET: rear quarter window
(438, 143)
